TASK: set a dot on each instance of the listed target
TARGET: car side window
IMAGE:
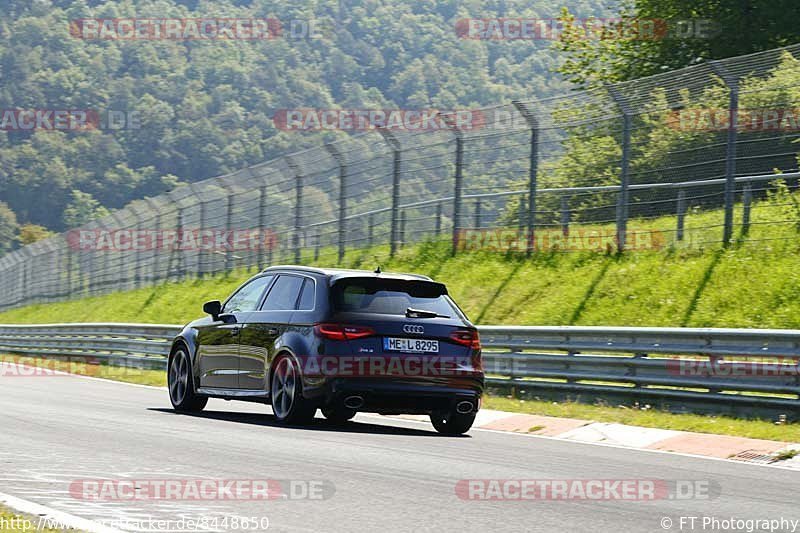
(306, 302)
(248, 297)
(283, 295)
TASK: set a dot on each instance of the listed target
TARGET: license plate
(410, 345)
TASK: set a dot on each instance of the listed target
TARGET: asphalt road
(388, 474)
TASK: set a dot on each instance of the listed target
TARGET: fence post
(402, 237)
(533, 170)
(229, 231)
(298, 205)
(459, 179)
(566, 215)
(339, 158)
(438, 219)
(392, 141)
(370, 228)
(623, 198)
(681, 213)
(137, 257)
(747, 200)
(732, 82)
(201, 253)
(478, 213)
(69, 270)
(156, 248)
(262, 227)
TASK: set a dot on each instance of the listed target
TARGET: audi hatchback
(343, 341)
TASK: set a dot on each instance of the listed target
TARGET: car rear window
(390, 296)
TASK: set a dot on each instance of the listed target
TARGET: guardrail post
(533, 170)
(681, 213)
(747, 200)
(566, 215)
(623, 198)
(478, 213)
(298, 205)
(732, 82)
(339, 158)
(392, 141)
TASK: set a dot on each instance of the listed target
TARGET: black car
(342, 341)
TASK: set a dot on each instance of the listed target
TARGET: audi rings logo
(411, 328)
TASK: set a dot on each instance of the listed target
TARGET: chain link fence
(685, 159)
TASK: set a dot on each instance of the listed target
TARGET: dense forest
(172, 111)
(196, 109)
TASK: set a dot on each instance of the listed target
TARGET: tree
(8, 228)
(30, 233)
(654, 36)
(82, 209)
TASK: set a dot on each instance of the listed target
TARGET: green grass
(750, 285)
(11, 522)
(719, 425)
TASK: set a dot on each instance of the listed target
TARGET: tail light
(342, 332)
(467, 337)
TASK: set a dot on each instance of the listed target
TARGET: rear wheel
(452, 422)
(286, 392)
(338, 415)
(181, 385)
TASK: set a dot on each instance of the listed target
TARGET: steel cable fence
(686, 159)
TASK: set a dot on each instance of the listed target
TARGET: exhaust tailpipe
(353, 402)
(464, 407)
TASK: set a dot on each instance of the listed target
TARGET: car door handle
(272, 331)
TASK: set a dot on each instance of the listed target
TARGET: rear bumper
(400, 396)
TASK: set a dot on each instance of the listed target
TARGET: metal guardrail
(692, 369)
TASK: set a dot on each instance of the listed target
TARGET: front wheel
(286, 393)
(181, 385)
(452, 422)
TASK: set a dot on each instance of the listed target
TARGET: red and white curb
(684, 442)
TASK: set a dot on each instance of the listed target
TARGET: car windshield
(391, 296)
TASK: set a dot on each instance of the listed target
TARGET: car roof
(339, 273)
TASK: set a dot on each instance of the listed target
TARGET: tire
(181, 384)
(338, 415)
(451, 422)
(286, 393)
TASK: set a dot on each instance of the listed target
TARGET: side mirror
(213, 308)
